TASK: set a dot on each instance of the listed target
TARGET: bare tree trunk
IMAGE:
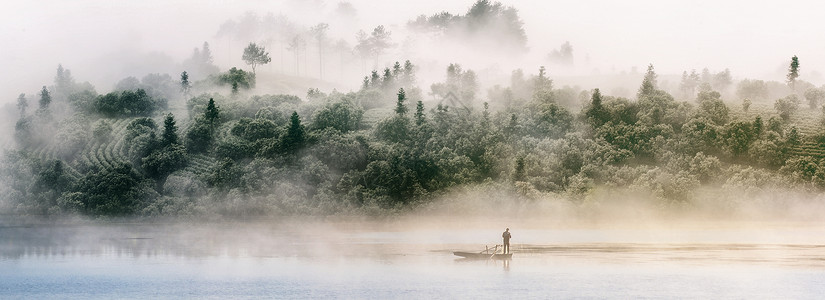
(320, 62)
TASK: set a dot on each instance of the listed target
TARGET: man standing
(506, 237)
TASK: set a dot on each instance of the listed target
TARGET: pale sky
(755, 39)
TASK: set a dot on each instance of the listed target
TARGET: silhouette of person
(506, 236)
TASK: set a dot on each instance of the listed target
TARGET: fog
(105, 41)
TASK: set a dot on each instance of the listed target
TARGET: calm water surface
(379, 260)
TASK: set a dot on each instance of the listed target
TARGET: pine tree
(400, 108)
(45, 98)
(170, 131)
(184, 83)
(212, 113)
(793, 72)
(420, 118)
(649, 84)
(294, 137)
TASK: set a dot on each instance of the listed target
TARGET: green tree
(649, 84)
(185, 85)
(420, 118)
(255, 55)
(400, 107)
(294, 138)
(45, 98)
(212, 115)
(596, 114)
(170, 131)
(746, 104)
(119, 191)
(738, 137)
(343, 116)
(712, 107)
(793, 72)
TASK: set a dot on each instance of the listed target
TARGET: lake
(408, 258)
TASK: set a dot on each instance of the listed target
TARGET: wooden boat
(486, 254)
(482, 255)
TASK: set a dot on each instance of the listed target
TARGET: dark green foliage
(199, 137)
(45, 98)
(225, 175)
(162, 162)
(420, 118)
(806, 169)
(395, 129)
(294, 138)
(343, 116)
(400, 107)
(738, 136)
(237, 79)
(212, 115)
(255, 129)
(793, 72)
(712, 107)
(127, 104)
(170, 131)
(118, 191)
(519, 171)
(596, 114)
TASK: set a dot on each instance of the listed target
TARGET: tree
(255, 55)
(118, 191)
(293, 140)
(596, 114)
(22, 104)
(746, 104)
(185, 86)
(400, 107)
(814, 97)
(787, 106)
(793, 72)
(320, 33)
(45, 98)
(170, 131)
(343, 116)
(649, 84)
(212, 115)
(420, 118)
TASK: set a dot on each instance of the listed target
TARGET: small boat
(482, 255)
(486, 254)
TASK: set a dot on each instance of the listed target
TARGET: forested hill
(163, 146)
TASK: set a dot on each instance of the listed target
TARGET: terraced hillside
(809, 123)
